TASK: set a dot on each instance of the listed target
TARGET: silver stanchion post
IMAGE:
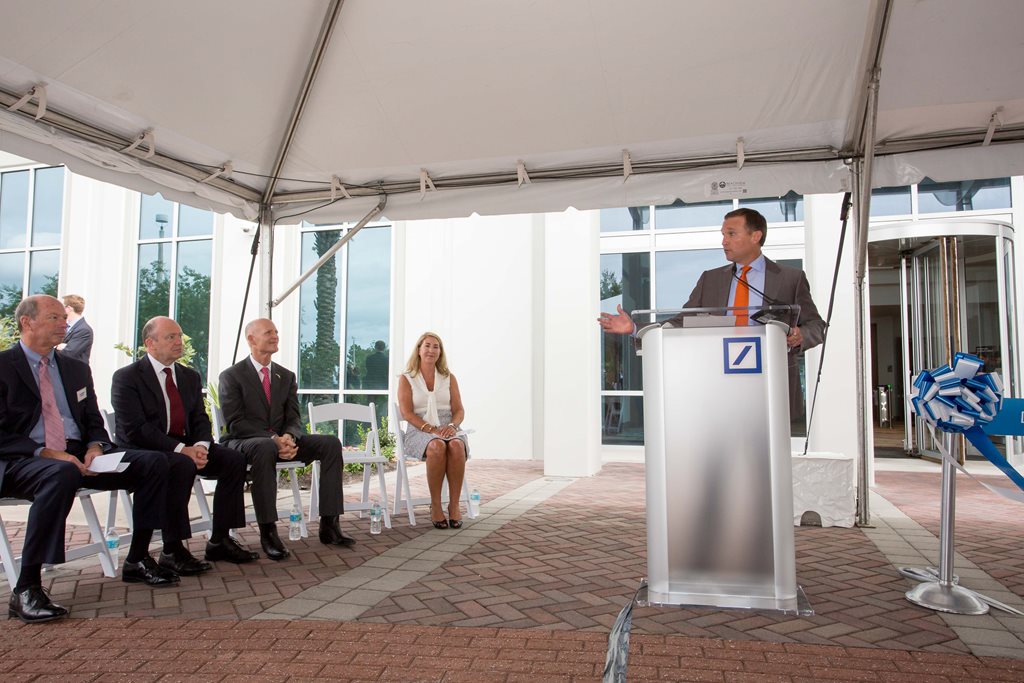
(945, 595)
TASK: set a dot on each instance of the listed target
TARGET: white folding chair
(403, 495)
(203, 524)
(370, 457)
(292, 468)
(97, 545)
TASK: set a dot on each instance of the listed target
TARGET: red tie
(177, 424)
(53, 423)
(742, 298)
(266, 383)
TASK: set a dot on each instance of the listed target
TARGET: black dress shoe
(183, 563)
(33, 606)
(273, 546)
(331, 533)
(148, 572)
(228, 550)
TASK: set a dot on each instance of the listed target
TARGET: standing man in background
(78, 339)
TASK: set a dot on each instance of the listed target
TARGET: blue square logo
(742, 355)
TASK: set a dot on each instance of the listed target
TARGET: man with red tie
(261, 409)
(158, 405)
(750, 280)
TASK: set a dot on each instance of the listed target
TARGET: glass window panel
(678, 272)
(789, 207)
(192, 297)
(44, 272)
(625, 281)
(48, 207)
(194, 222)
(12, 276)
(890, 201)
(633, 218)
(154, 285)
(13, 209)
(367, 323)
(679, 214)
(963, 195)
(622, 420)
(155, 218)
(319, 317)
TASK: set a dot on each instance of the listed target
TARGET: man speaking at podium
(750, 280)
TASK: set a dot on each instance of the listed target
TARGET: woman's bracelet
(425, 427)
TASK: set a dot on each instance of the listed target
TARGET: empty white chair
(220, 427)
(370, 457)
(403, 495)
(96, 546)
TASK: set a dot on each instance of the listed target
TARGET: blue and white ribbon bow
(957, 398)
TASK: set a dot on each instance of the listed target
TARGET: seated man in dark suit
(261, 408)
(51, 430)
(158, 405)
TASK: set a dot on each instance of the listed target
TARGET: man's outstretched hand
(616, 324)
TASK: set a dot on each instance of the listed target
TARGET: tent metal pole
(315, 60)
(862, 179)
(329, 254)
(266, 261)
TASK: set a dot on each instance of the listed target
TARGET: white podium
(719, 476)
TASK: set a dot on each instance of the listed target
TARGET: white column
(572, 430)
(834, 428)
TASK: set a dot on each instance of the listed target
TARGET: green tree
(610, 285)
(193, 303)
(10, 297)
(50, 285)
(154, 294)
(9, 334)
(319, 358)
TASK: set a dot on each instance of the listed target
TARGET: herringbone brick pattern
(575, 561)
(272, 651)
(989, 529)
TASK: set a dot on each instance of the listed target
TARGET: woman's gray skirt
(415, 441)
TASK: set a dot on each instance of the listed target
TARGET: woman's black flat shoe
(443, 524)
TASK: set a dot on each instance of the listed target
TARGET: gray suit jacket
(79, 341)
(246, 411)
(782, 284)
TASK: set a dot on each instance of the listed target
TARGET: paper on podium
(109, 462)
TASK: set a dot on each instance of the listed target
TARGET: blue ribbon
(957, 398)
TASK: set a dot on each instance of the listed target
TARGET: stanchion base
(946, 598)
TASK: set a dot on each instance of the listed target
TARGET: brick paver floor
(529, 595)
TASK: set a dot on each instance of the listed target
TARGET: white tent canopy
(459, 106)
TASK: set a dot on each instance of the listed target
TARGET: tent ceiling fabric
(465, 90)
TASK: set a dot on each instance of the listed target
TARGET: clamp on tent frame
(739, 154)
(226, 170)
(993, 123)
(521, 175)
(425, 182)
(147, 136)
(336, 187)
(37, 92)
(627, 165)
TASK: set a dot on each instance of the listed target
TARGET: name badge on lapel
(82, 394)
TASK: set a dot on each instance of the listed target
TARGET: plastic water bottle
(376, 514)
(113, 541)
(295, 524)
(474, 502)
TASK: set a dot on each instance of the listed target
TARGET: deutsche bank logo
(742, 355)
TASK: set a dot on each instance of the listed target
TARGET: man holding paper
(51, 430)
(158, 404)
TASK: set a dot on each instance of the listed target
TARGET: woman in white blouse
(428, 396)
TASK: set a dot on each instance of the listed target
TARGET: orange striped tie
(742, 298)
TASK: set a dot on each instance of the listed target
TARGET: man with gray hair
(51, 430)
